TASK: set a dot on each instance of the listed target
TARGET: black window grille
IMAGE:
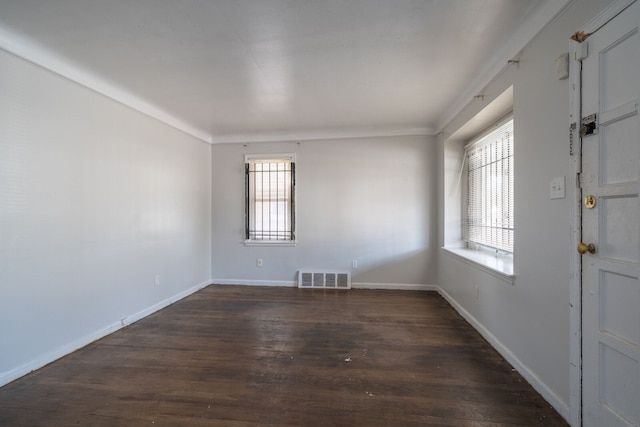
(270, 199)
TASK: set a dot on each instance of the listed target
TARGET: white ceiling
(249, 70)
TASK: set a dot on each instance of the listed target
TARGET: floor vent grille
(324, 280)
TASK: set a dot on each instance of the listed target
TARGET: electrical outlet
(157, 280)
(354, 263)
(259, 262)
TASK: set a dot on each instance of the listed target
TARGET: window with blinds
(270, 198)
(489, 210)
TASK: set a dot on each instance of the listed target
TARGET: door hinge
(572, 128)
(589, 125)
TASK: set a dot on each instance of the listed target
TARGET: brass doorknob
(583, 248)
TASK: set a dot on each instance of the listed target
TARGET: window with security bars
(489, 209)
(270, 198)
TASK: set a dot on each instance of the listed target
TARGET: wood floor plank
(243, 356)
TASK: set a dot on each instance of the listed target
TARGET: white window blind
(270, 204)
(490, 176)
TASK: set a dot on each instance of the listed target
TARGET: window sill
(270, 242)
(500, 266)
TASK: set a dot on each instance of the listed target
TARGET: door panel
(618, 237)
(618, 151)
(616, 60)
(610, 170)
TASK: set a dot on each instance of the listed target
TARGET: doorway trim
(575, 281)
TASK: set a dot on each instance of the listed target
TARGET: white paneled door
(611, 225)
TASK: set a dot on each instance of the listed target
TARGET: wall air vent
(324, 279)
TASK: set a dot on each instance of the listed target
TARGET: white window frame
(250, 202)
(498, 263)
(488, 217)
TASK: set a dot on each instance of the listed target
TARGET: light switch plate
(556, 190)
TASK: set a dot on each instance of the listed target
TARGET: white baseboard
(394, 286)
(162, 304)
(552, 398)
(239, 282)
(14, 374)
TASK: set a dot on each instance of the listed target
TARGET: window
(270, 198)
(489, 206)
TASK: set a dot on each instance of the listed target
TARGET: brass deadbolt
(590, 201)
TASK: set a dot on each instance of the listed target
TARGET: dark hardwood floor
(242, 356)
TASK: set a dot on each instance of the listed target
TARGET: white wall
(368, 199)
(528, 319)
(95, 200)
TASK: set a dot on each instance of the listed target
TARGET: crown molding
(540, 18)
(309, 135)
(35, 54)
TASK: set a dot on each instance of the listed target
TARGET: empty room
(319, 213)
